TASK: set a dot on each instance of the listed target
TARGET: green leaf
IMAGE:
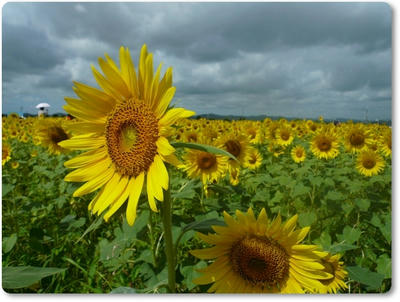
(203, 226)
(300, 189)
(277, 197)
(220, 189)
(6, 188)
(384, 266)
(371, 279)
(363, 204)
(347, 207)
(9, 242)
(349, 235)
(205, 148)
(333, 195)
(95, 224)
(123, 290)
(190, 272)
(307, 219)
(24, 276)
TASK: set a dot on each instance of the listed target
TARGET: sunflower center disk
(131, 135)
(57, 134)
(233, 147)
(369, 163)
(261, 261)
(299, 153)
(324, 144)
(206, 160)
(357, 139)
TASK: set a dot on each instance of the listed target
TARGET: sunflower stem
(169, 245)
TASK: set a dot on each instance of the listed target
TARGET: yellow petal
(164, 102)
(164, 147)
(87, 158)
(114, 78)
(86, 127)
(161, 171)
(128, 71)
(134, 199)
(173, 115)
(88, 172)
(106, 85)
(120, 201)
(89, 93)
(111, 192)
(95, 183)
(118, 191)
(210, 253)
(150, 196)
(153, 177)
(83, 142)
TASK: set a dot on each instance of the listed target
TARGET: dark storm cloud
(27, 50)
(275, 58)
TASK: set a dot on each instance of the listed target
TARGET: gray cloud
(274, 58)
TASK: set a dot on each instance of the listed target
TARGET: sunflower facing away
(123, 126)
(50, 133)
(256, 255)
(369, 163)
(336, 269)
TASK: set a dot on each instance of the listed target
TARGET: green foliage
(45, 228)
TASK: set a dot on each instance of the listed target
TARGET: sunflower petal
(134, 199)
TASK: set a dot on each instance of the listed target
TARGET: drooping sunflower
(325, 144)
(209, 167)
(6, 152)
(276, 149)
(256, 255)
(253, 159)
(50, 133)
(369, 163)
(238, 145)
(335, 267)
(298, 154)
(124, 126)
(357, 139)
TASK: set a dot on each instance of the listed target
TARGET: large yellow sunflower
(325, 144)
(369, 163)
(256, 255)
(124, 127)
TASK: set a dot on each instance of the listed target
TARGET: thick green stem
(169, 245)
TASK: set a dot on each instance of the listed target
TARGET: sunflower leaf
(24, 276)
(371, 279)
(205, 148)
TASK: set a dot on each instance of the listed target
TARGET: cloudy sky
(286, 59)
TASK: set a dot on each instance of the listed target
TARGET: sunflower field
(133, 195)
